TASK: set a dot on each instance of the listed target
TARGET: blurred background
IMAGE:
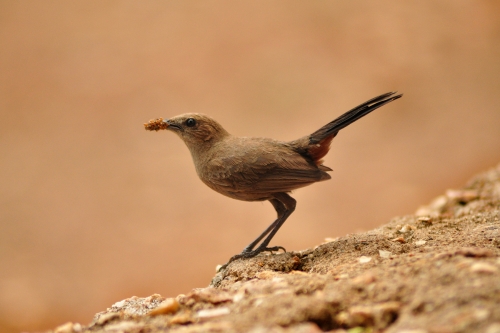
(94, 209)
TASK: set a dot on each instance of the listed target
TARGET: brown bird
(258, 169)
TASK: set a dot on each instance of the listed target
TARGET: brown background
(94, 209)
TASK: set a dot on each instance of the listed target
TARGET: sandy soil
(435, 271)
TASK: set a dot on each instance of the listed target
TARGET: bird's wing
(262, 167)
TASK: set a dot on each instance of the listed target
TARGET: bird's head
(196, 130)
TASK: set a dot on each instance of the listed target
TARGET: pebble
(181, 318)
(406, 228)
(462, 195)
(119, 304)
(266, 275)
(399, 239)
(210, 313)
(65, 328)
(420, 243)
(481, 314)
(240, 295)
(364, 259)
(424, 221)
(124, 326)
(435, 208)
(342, 276)
(77, 328)
(384, 254)
(168, 306)
(482, 267)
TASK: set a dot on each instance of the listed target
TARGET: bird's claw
(251, 254)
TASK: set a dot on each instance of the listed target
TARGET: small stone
(64, 328)
(465, 263)
(168, 306)
(240, 295)
(364, 259)
(330, 239)
(124, 326)
(481, 314)
(463, 196)
(77, 328)
(420, 243)
(406, 228)
(210, 295)
(482, 267)
(210, 313)
(153, 300)
(424, 221)
(181, 318)
(384, 254)
(265, 275)
(119, 304)
(439, 203)
(423, 211)
(399, 240)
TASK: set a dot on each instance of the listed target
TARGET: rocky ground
(437, 271)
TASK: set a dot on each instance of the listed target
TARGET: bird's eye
(190, 122)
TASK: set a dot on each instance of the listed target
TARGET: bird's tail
(351, 116)
(319, 142)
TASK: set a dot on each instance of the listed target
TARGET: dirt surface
(436, 271)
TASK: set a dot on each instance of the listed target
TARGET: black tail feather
(351, 116)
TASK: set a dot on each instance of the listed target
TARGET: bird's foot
(250, 254)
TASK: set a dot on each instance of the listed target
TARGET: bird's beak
(172, 124)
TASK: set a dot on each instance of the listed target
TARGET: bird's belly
(246, 194)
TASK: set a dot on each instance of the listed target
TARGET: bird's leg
(289, 204)
(284, 205)
(280, 209)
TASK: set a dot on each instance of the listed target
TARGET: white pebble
(384, 254)
(210, 313)
(364, 259)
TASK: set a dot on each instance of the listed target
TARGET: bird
(260, 169)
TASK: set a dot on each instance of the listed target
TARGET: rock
(462, 196)
(364, 260)
(168, 306)
(124, 326)
(399, 240)
(384, 254)
(482, 267)
(65, 328)
(211, 313)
